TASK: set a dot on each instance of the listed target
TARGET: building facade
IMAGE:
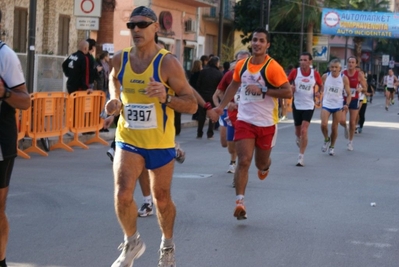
(189, 28)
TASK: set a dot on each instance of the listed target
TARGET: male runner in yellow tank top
(150, 77)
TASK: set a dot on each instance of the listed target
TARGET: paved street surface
(61, 207)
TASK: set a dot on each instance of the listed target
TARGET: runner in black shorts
(304, 82)
(390, 82)
(301, 115)
(13, 94)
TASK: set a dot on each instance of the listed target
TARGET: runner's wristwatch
(7, 94)
(167, 100)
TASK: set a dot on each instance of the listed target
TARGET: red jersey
(353, 83)
(226, 80)
(293, 73)
(222, 86)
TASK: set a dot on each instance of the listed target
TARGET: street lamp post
(268, 15)
(262, 13)
(31, 46)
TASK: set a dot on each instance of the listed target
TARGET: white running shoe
(130, 252)
(300, 161)
(298, 142)
(325, 145)
(232, 168)
(146, 209)
(350, 146)
(111, 153)
(167, 257)
(331, 151)
(180, 154)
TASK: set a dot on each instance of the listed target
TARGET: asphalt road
(61, 207)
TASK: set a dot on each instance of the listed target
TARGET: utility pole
(302, 26)
(346, 39)
(268, 15)
(221, 7)
(262, 13)
(31, 46)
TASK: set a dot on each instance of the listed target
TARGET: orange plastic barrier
(21, 117)
(48, 116)
(86, 109)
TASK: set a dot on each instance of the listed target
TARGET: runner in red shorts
(259, 81)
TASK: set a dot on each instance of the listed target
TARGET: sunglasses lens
(140, 24)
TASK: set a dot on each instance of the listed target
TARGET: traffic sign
(391, 64)
(87, 23)
(87, 8)
(385, 60)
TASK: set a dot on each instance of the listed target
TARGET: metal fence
(48, 75)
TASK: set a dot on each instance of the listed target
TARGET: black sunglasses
(140, 24)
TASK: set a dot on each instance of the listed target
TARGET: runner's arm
(113, 83)
(319, 82)
(114, 105)
(216, 96)
(347, 90)
(19, 97)
(284, 91)
(173, 74)
(363, 82)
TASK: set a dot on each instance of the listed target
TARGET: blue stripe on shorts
(154, 158)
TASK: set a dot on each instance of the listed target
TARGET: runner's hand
(212, 115)
(156, 89)
(113, 107)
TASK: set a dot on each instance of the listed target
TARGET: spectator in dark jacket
(76, 68)
(195, 71)
(95, 68)
(207, 83)
(102, 80)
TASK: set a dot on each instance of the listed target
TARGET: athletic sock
(240, 197)
(131, 239)
(166, 242)
(147, 199)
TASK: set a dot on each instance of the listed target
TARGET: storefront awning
(168, 41)
(190, 43)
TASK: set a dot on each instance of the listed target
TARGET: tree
(366, 5)
(283, 46)
(246, 18)
(291, 12)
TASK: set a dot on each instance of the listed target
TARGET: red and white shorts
(265, 137)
